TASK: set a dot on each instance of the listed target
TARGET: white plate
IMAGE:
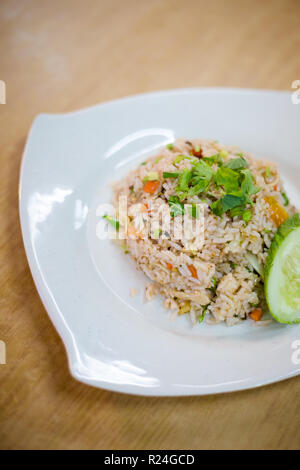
(113, 341)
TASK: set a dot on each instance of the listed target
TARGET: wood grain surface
(61, 55)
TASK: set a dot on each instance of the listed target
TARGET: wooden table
(61, 55)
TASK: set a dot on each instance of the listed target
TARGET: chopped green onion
(124, 248)
(224, 153)
(157, 160)
(204, 310)
(247, 216)
(143, 163)
(170, 146)
(151, 176)
(166, 174)
(268, 172)
(114, 222)
(193, 211)
(286, 199)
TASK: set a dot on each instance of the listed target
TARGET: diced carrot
(275, 187)
(193, 271)
(169, 266)
(151, 186)
(256, 314)
(277, 212)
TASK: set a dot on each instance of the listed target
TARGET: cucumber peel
(282, 273)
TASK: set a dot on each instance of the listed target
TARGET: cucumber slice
(282, 273)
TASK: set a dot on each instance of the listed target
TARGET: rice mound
(217, 280)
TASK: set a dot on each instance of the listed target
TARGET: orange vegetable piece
(256, 314)
(169, 266)
(151, 186)
(193, 271)
(197, 152)
(277, 212)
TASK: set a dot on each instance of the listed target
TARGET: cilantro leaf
(214, 159)
(167, 174)
(236, 163)
(184, 179)
(203, 170)
(199, 186)
(227, 178)
(229, 201)
(248, 187)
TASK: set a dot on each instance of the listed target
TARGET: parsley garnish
(236, 163)
(227, 178)
(233, 178)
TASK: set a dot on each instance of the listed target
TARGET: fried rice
(221, 280)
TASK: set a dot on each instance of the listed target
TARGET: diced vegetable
(286, 199)
(169, 266)
(277, 212)
(247, 216)
(256, 314)
(151, 186)
(193, 271)
(114, 222)
(204, 310)
(151, 176)
(170, 146)
(167, 174)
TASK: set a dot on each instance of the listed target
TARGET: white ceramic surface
(114, 341)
